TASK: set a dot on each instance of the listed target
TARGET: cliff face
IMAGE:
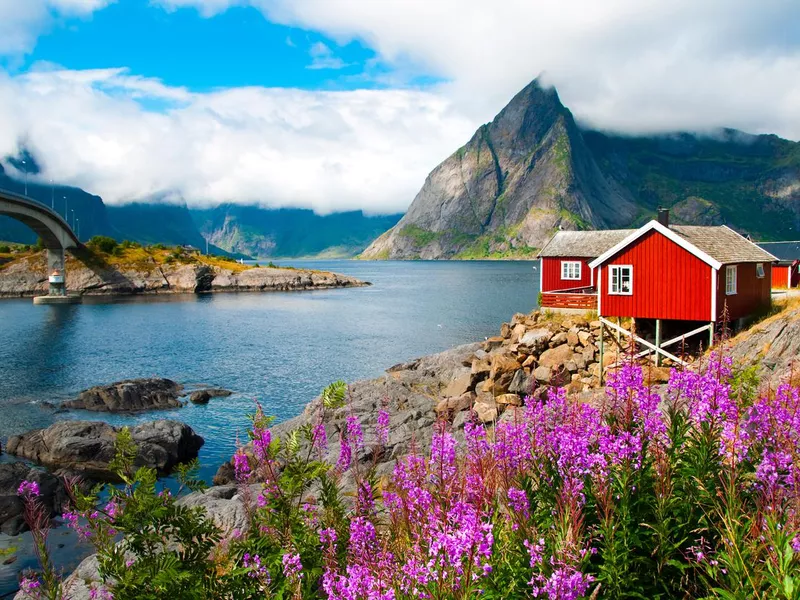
(532, 170)
(520, 177)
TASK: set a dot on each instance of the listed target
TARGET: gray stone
(87, 447)
(52, 495)
(485, 408)
(522, 384)
(459, 385)
(536, 339)
(558, 339)
(131, 395)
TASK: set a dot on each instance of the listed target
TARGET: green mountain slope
(533, 170)
(269, 233)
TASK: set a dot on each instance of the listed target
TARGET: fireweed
(693, 493)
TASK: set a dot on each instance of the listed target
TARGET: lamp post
(78, 229)
(73, 219)
(66, 206)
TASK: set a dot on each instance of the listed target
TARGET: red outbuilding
(785, 272)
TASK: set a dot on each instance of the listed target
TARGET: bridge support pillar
(56, 273)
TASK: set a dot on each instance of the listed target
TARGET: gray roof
(722, 244)
(583, 244)
(783, 251)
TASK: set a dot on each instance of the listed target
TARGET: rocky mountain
(266, 233)
(534, 170)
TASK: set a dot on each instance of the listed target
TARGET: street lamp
(66, 204)
(78, 229)
(73, 219)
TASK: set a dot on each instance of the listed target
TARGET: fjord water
(278, 348)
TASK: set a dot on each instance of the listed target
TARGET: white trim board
(666, 232)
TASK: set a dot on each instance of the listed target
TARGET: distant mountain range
(534, 170)
(230, 229)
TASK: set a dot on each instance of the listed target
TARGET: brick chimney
(663, 216)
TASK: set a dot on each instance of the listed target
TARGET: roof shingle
(722, 244)
(583, 244)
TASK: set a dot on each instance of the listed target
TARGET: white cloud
(22, 21)
(622, 64)
(328, 151)
(322, 57)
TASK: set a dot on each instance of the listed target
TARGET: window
(570, 269)
(760, 270)
(620, 280)
(730, 280)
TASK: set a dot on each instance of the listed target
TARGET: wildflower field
(692, 493)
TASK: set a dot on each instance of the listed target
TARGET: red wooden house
(659, 273)
(565, 277)
(785, 272)
(683, 273)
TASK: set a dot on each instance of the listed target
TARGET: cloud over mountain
(126, 137)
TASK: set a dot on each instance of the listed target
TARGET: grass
(421, 237)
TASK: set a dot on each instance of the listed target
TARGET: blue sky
(238, 47)
(348, 104)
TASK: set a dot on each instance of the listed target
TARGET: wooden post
(658, 342)
(602, 328)
(711, 335)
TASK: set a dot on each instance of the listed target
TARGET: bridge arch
(54, 231)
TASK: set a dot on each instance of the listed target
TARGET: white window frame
(760, 273)
(569, 268)
(612, 269)
(731, 280)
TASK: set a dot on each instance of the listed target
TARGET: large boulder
(536, 339)
(205, 395)
(87, 447)
(556, 357)
(51, 494)
(131, 395)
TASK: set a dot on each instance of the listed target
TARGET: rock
(503, 363)
(224, 505)
(200, 397)
(509, 399)
(585, 338)
(457, 404)
(131, 395)
(567, 324)
(536, 339)
(556, 356)
(571, 366)
(558, 339)
(572, 337)
(543, 374)
(588, 353)
(505, 330)
(529, 361)
(502, 383)
(595, 324)
(492, 343)
(458, 386)
(88, 446)
(485, 408)
(518, 332)
(52, 494)
(522, 384)
(654, 375)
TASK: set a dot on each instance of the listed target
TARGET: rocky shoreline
(27, 276)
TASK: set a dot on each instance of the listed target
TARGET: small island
(105, 267)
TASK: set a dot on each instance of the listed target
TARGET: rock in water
(131, 395)
(203, 396)
(52, 495)
(87, 447)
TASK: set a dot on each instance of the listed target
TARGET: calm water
(279, 348)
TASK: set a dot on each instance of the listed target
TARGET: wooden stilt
(602, 329)
(658, 342)
(711, 335)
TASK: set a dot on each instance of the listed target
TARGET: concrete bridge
(54, 231)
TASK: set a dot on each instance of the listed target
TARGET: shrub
(4, 249)
(102, 243)
(561, 500)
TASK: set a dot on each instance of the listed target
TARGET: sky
(349, 104)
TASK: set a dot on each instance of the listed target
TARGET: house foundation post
(711, 335)
(658, 342)
(602, 329)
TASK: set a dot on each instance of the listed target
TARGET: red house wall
(668, 282)
(780, 276)
(752, 293)
(551, 274)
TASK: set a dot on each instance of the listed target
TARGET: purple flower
(354, 434)
(345, 455)
(292, 567)
(518, 502)
(320, 438)
(241, 466)
(28, 489)
(100, 593)
(112, 510)
(382, 429)
(30, 587)
(327, 536)
(262, 438)
(257, 570)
